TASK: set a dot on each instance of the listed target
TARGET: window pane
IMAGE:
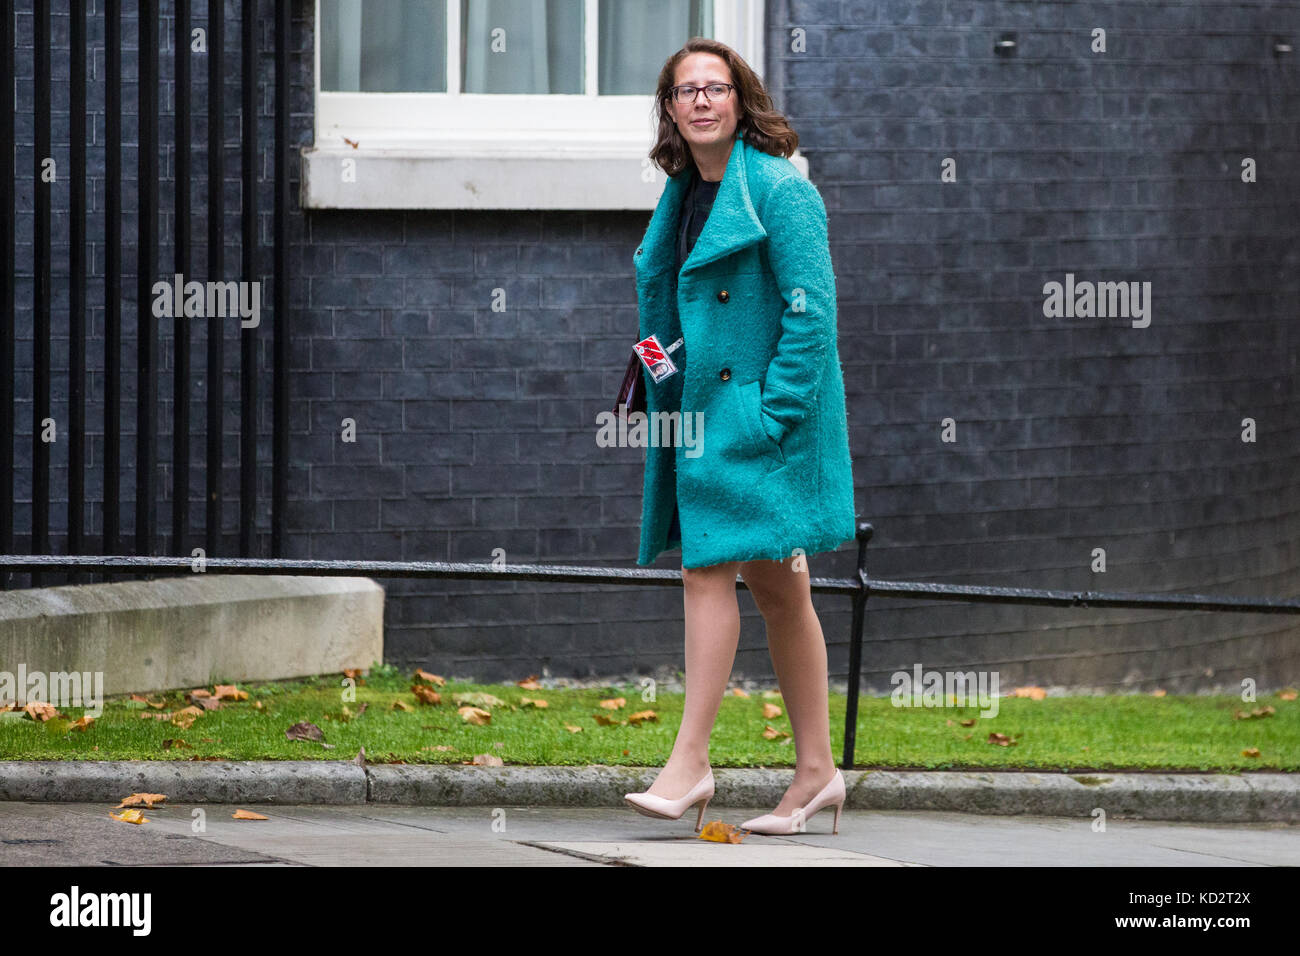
(636, 38)
(521, 46)
(383, 46)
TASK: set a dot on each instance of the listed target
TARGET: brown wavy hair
(763, 126)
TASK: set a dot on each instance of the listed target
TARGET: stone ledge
(190, 631)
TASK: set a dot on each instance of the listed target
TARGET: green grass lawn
(1190, 733)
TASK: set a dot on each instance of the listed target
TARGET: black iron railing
(858, 589)
(47, 195)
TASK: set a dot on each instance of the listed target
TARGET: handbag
(632, 392)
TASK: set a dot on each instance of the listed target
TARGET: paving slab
(62, 834)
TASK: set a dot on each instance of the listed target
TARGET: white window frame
(459, 150)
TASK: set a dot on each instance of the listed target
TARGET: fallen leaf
(477, 699)
(40, 711)
(147, 799)
(229, 692)
(771, 733)
(304, 730)
(442, 747)
(247, 815)
(530, 702)
(1288, 694)
(641, 715)
(258, 705)
(426, 695)
(1034, 693)
(715, 831)
(573, 728)
(81, 723)
(487, 760)
(355, 674)
(739, 692)
(130, 816)
(613, 703)
(186, 717)
(197, 694)
(1250, 752)
(529, 683)
(968, 722)
(210, 703)
(1266, 711)
(606, 721)
(771, 711)
(175, 742)
(430, 678)
(1002, 740)
(1158, 692)
(475, 715)
(401, 705)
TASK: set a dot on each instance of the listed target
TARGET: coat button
(725, 374)
(723, 296)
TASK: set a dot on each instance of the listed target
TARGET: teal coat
(755, 306)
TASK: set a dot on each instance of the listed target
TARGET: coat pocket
(750, 399)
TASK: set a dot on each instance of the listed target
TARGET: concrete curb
(1199, 798)
(189, 781)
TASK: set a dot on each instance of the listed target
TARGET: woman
(736, 264)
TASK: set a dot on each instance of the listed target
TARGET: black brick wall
(476, 428)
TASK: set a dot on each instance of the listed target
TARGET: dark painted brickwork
(475, 428)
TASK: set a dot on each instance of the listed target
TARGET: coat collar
(732, 223)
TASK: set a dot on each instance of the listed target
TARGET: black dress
(696, 205)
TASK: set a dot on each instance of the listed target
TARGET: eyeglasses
(714, 91)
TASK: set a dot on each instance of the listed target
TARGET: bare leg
(798, 649)
(712, 633)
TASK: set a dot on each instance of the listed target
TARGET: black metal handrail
(858, 589)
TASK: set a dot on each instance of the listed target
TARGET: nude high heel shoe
(831, 795)
(651, 805)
